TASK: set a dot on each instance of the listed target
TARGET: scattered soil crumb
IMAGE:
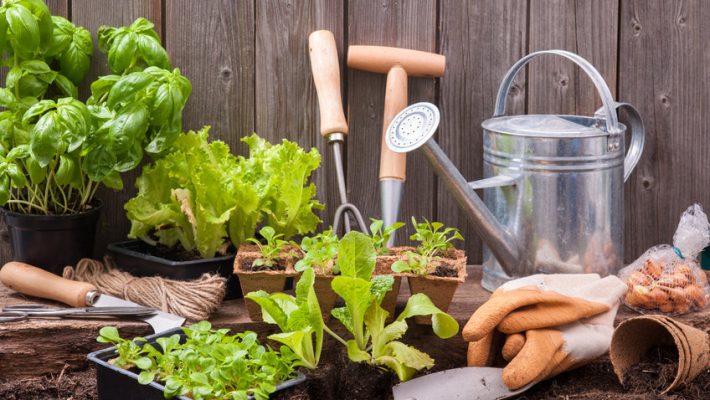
(446, 271)
(64, 386)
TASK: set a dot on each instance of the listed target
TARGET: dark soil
(249, 266)
(65, 386)
(656, 370)
(446, 271)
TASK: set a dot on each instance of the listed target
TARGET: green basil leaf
(113, 181)
(126, 87)
(152, 52)
(13, 76)
(122, 52)
(36, 171)
(3, 30)
(66, 171)
(168, 102)
(7, 99)
(35, 66)
(74, 63)
(16, 175)
(4, 189)
(32, 86)
(103, 85)
(62, 33)
(99, 162)
(39, 108)
(165, 136)
(141, 24)
(66, 86)
(24, 28)
(18, 152)
(39, 9)
(44, 141)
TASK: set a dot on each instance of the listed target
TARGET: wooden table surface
(35, 347)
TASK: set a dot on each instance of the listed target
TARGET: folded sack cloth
(542, 325)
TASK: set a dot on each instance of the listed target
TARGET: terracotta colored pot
(440, 289)
(270, 281)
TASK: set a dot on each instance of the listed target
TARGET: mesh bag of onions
(668, 279)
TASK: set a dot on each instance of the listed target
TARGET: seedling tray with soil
(115, 383)
(141, 259)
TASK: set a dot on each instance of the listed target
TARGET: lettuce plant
(299, 319)
(319, 252)
(381, 234)
(202, 197)
(269, 250)
(374, 341)
(433, 242)
(208, 364)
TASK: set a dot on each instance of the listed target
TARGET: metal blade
(469, 383)
(160, 321)
(391, 191)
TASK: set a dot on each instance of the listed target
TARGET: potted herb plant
(55, 150)
(196, 362)
(436, 268)
(319, 253)
(263, 265)
(380, 236)
(198, 202)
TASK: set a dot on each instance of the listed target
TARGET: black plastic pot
(132, 256)
(52, 242)
(114, 383)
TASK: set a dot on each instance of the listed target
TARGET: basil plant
(56, 150)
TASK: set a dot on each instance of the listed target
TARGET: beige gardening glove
(553, 323)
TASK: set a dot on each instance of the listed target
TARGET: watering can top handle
(609, 105)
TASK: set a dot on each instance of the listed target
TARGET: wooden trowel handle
(393, 166)
(33, 281)
(326, 75)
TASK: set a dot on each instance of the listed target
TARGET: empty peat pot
(634, 337)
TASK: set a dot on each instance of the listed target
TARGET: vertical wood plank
(664, 72)
(285, 100)
(586, 27)
(213, 45)
(56, 7)
(481, 40)
(91, 14)
(404, 24)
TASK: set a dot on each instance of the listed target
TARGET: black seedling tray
(114, 383)
(132, 256)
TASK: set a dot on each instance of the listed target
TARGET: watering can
(553, 184)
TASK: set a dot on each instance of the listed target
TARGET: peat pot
(52, 242)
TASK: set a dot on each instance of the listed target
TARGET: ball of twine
(194, 300)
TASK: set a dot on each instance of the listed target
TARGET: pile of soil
(65, 386)
(445, 271)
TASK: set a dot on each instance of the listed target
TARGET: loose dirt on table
(65, 386)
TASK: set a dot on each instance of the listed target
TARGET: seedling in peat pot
(269, 250)
(433, 243)
(381, 234)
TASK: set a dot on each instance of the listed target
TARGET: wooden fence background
(248, 63)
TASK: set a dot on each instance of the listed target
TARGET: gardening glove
(544, 301)
(553, 323)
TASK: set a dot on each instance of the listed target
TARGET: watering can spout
(413, 128)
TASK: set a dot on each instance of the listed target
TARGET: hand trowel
(468, 383)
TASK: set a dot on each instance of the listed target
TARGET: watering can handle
(638, 137)
(609, 105)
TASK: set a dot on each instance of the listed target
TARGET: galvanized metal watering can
(553, 184)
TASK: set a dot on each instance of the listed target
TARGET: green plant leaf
(43, 143)
(74, 62)
(146, 377)
(355, 354)
(410, 356)
(24, 28)
(35, 66)
(122, 52)
(126, 87)
(271, 307)
(66, 172)
(381, 285)
(36, 171)
(419, 304)
(66, 86)
(152, 52)
(356, 255)
(357, 296)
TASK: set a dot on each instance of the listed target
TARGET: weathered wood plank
(213, 45)
(664, 72)
(409, 25)
(56, 7)
(588, 28)
(285, 99)
(91, 14)
(481, 40)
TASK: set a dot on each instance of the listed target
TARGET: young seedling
(381, 234)
(269, 250)
(374, 341)
(433, 243)
(299, 319)
(319, 252)
(210, 364)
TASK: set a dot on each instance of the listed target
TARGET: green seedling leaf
(443, 324)
(356, 255)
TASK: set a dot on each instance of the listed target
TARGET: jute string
(194, 300)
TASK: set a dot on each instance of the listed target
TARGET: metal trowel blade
(469, 383)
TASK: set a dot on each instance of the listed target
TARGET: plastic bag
(669, 278)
